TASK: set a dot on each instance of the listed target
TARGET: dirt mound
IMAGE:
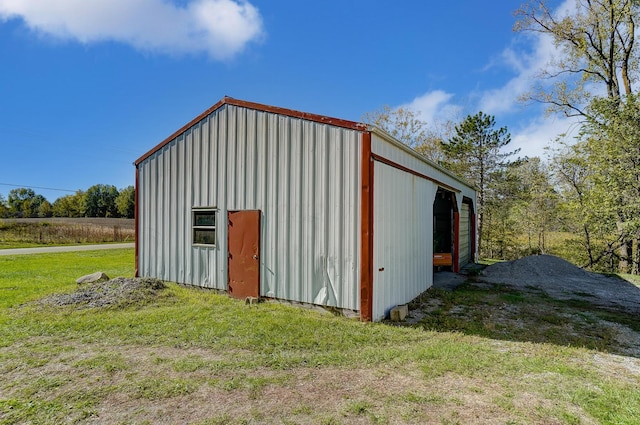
(118, 292)
(562, 280)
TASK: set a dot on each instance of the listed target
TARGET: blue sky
(88, 86)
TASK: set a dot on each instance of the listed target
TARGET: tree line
(99, 200)
(582, 202)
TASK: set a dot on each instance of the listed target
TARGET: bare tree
(595, 42)
(406, 126)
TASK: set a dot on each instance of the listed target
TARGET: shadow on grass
(526, 314)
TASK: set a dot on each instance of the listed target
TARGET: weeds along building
(261, 201)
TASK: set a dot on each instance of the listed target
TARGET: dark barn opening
(443, 208)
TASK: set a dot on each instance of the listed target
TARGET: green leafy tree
(500, 230)
(100, 201)
(581, 211)
(45, 209)
(475, 152)
(596, 51)
(599, 179)
(535, 210)
(19, 200)
(126, 202)
(70, 205)
(23, 202)
(612, 136)
(4, 209)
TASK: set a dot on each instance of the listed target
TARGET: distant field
(125, 223)
(31, 232)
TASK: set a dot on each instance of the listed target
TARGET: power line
(37, 187)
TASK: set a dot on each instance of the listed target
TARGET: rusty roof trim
(337, 122)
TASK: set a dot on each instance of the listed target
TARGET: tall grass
(14, 234)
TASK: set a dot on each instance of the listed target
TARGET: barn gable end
(302, 176)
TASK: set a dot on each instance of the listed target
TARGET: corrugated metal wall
(304, 177)
(399, 154)
(402, 238)
(465, 235)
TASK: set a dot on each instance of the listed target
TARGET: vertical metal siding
(398, 155)
(465, 232)
(303, 176)
(402, 239)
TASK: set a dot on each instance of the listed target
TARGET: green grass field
(192, 356)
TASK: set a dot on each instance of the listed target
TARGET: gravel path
(563, 281)
(66, 248)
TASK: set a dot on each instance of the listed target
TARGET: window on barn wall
(204, 226)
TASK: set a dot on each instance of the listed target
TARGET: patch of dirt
(562, 280)
(111, 293)
(399, 394)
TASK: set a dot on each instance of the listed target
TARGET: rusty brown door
(244, 253)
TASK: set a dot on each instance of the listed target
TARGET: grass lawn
(13, 245)
(192, 356)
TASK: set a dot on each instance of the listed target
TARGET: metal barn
(261, 201)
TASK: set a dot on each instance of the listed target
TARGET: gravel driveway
(563, 281)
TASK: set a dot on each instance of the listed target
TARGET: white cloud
(531, 129)
(526, 57)
(221, 28)
(433, 106)
(527, 67)
(527, 64)
(541, 132)
(534, 130)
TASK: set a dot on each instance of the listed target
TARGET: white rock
(93, 277)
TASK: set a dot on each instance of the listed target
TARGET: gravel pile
(562, 280)
(537, 269)
(118, 292)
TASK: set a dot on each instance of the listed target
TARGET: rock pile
(118, 292)
(564, 281)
